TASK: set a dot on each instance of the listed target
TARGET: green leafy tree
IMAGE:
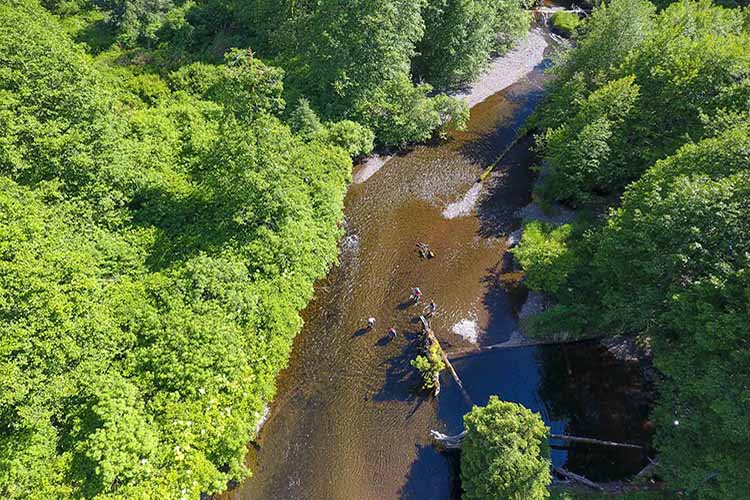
(613, 30)
(585, 154)
(460, 36)
(429, 366)
(304, 121)
(156, 246)
(352, 137)
(505, 453)
(545, 256)
(511, 22)
(692, 56)
(353, 61)
(136, 21)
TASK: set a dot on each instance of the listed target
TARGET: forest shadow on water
(502, 304)
(507, 190)
(602, 397)
(433, 475)
(514, 105)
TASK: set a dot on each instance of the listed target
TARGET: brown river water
(349, 421)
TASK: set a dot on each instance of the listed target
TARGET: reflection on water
(597, 396)
(349, 421)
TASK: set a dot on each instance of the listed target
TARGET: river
(349, 421)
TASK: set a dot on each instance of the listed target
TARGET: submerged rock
(536, 303)
(514, 238)
(557, 214)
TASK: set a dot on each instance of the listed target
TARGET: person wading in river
(429, 310)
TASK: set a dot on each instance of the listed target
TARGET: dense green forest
(645, 131)
(172, 177)
(376, 62)
(157, 243)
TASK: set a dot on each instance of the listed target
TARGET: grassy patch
(565, 23)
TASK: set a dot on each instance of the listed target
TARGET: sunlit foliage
(505, 453)
(156, 244)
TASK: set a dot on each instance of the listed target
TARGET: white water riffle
(467, 329)
(465, 205)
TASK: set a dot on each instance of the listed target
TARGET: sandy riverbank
(501, 73)
(506, 70)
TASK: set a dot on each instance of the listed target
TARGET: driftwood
(647, 470)
(448, 442)
(456, 440)
(576, 439)
(577, 478)
(432, 339)
(508, 344)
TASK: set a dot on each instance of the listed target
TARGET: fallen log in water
(501, 157)
(515, 345)
(576, 439)
(448, 442)
(577, 478)
(432, 339)
(647, 470)
(456, 440)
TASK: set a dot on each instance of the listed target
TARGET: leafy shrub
(565, 23)
(429, 366)
(545, 255)
(352, 137)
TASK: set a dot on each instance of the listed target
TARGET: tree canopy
(350, 60)
(460, 36)
(164, 215)
(505, 453)
(657, 131)
(157, 240)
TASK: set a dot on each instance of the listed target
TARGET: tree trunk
(515, 345)
(576, 439)
(431, 338)
(577, 478)
(647, 470)
(448, 442)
